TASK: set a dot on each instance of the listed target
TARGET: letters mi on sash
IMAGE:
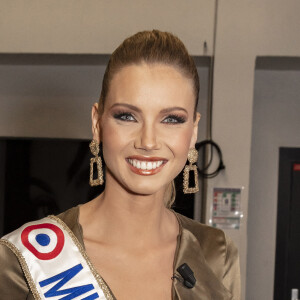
(63, 279)
(54, 262)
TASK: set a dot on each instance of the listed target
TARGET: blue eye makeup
(124, 116)
(129, 117)
(174, 119)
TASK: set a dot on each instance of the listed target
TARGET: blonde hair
(152, 47)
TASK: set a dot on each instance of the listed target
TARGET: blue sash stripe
(66, 276)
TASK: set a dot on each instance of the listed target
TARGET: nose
(147, 138)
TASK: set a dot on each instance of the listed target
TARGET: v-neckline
(178, 242)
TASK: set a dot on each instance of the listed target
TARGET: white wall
(98, 26)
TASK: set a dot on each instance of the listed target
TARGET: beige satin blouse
(208, 252)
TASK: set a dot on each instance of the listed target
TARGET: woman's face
(147, 127)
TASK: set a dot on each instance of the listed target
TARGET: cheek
(179, 143)
(114, 140)
(111, 136)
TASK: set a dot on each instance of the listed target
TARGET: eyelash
(124, 116)
(178, 119)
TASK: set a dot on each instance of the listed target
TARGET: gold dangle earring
(94, 146)
(192, 158)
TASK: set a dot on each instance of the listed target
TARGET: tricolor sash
(55, 263)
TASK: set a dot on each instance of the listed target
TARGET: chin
(144, 189)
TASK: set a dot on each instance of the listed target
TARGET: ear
(195, 130)
(95, 123)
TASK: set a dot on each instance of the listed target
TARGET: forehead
(144, 83)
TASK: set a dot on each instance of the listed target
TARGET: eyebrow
(128, 106)
(165, 110)
(170, 109)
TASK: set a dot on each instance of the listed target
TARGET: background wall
(276, 123)
(52, 95)
(46, 96)
(245, 30)
(98, 26)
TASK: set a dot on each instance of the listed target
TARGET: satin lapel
(208, 286)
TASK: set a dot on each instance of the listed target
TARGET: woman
(147, 123)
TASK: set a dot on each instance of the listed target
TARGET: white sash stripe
(47, 256)
(43, 249)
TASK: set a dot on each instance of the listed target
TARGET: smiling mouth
(146, 166)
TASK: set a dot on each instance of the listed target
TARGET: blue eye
(174, 119)
(124, 116)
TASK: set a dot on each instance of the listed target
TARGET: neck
(120, 217)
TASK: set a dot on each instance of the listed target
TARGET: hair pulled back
(152, 47)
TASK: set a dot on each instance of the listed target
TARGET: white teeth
(145, 165)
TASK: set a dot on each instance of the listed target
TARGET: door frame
(287, 157)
